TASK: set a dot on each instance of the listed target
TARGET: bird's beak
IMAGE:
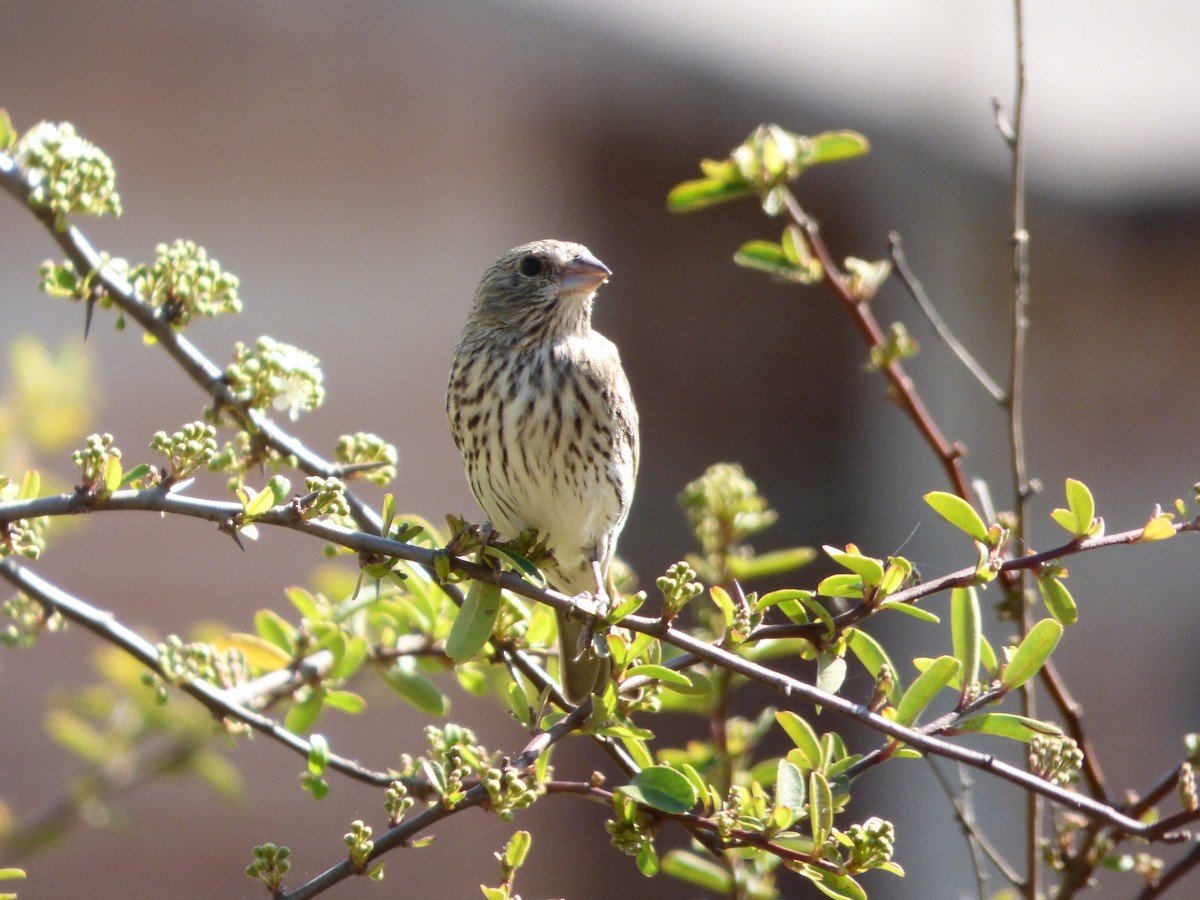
(584, 273)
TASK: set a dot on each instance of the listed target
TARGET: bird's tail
(581, 670)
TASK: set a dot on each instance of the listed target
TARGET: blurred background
(359, 165)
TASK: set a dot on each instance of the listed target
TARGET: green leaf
(764, 256)
(768, 565)
(802, 735)
(872, 655)
(77, 736)
(112, 474)
(921, 663)
(922, 691)
(351, 659)
(219, 773)
(10, 874)
(796, 613)
(30, 484)
(894, 576)
(1007, 725)
(346, 701)
(796, 247)
(697, 870)
(416, 689)
(1158, 529)
(959, 513)
(139, 471)
(318, 754)
(840, 887)
(637, 751)
(661, 787)
(911, 609)
(791, 790)
(279, 487)
(517, 849)
(831, 672)
(843, 584)
(702, 193)
(1031, 653)
(723, 601)
(834, 146)
(518, 703)
(518, 563)
(389, 513)
(304, 715)
(817, 608)
(627, 607)
(820, 807)
(305, 603)
(1058, 600)
(63, 282)
(647, 859)
(273, 628)
(1080, 512)
(261, 655)
(866, 277)
(775, 598)
(698, 685)
(987, 655)
(473, 625)
(867, 568)
(966, 631)
(699, 785)
(8, 138)
(258, 503)
(660, 673)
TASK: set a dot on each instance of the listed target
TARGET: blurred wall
(359, 165)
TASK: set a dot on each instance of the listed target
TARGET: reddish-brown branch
(903, 391)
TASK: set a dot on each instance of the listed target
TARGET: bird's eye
(531, 265)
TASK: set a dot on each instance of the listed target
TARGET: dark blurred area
(359, 165)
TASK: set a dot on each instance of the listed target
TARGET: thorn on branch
(229, 527)
(1003, 125)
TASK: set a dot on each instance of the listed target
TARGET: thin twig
(285, 516)
(1014, 135)
(155, 500)
(917, 291)
(401, 834)
(977, 841)
(205, 373)
(106, 626)
(1171, 876)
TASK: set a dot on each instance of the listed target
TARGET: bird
(542, 413)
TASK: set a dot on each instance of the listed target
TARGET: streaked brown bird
(541, 411)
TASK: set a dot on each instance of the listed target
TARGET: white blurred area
(1113, 85)
(359, 165)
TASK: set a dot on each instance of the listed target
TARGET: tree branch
(155, 500)
(904, 392)
(105, 626)
(401, 834)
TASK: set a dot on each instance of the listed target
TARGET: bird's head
(542, 290)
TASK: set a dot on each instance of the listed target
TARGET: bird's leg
(584, 664)
(487, 537)
(600, 603)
